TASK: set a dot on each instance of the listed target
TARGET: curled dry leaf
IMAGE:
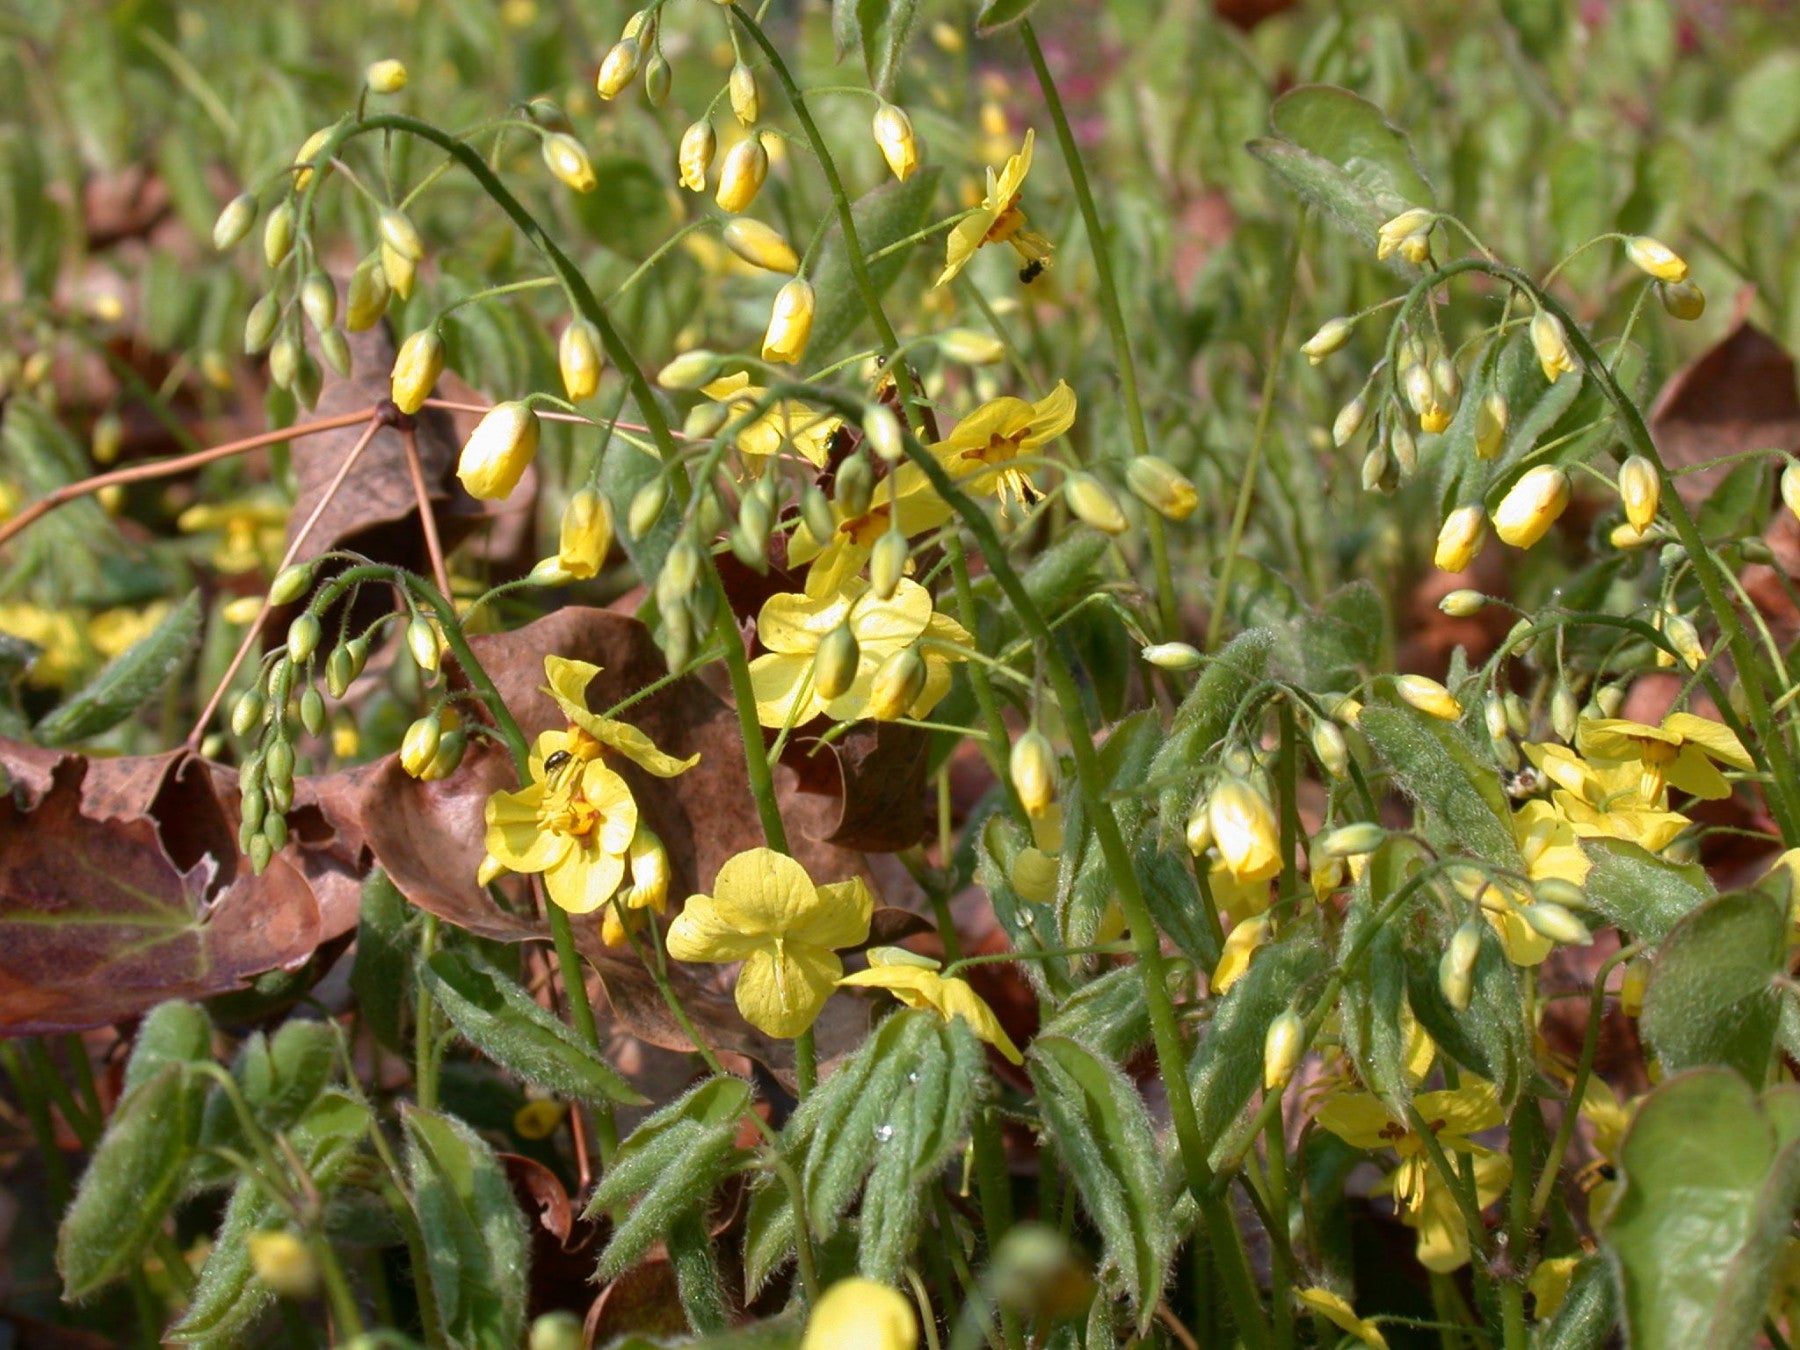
(1738, 395)
(121, 886)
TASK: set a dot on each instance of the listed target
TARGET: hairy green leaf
(128, 680)
(1712, 998)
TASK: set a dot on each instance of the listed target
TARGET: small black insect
(1032, 270)
(556, 761)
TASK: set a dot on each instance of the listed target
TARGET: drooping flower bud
(894, 136)
(760, 245)
(1162, 487)
(1682, 300)
(1555, 922)
(1282, 1046)
(585, 537)
(419, 745)
(1456, 968)
(284, 1263)
(1533, 505)
(234, 222)
(1656, 258)
(303, 638)
(278, 234)
(740, 87)
(401, 235)
(400, 271)
(897, 684)
(1353, 840)
(1032, 768)
(1551, 344)
(617, 69)
(1640, 488)
(1349, 421)
(1462, 604)
(1199, 826)
(1408, 233)
(1244, 830)
(854, 486)
(836, 662)
(368, 294)
(881, 431)
(318, 300)
(1332, 751)
(1331, 337)
(578, 360)
(247, 712)
(565, 157)
(698, 143)
(1790, 488)
(646, 506)
(970, 347)
(1175, 656)
(690, 370)
(790, 322)
(385, 77)
(1634, 983)
(416, 369)
(887, 564)
(741, 175)
(1490, 425)
(1428, 696)
(1092, 501)
(498, 450)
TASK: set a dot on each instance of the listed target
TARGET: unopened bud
(894, 136)
(422, 642)
(1175, 656)
(887, 564)
(741, 175)
(278, 234)
(740, 87)
(1282, 1047)
(234, 222)
(1353, 840)
(1332, 335)
(971, 348)
(1640, 488)
(1032, 767)
(1490, 425)
(760, 245)
(497, 452)
(1428, 696)
(646, 505)
(1656, 258)
(897, 684)
(290, 584)
(1634, 983)
(401, 235)
(259, 324)
(1199, 827)
(1093, 502)
(1551, 343)
(247, 712)
(1790, 488)
(698, 144)
(578, 360)
(568, 161)
(416, 369)
(1330, 748)
(367, 297)
(690, 370)
(1532, 506)
(399, 271)
(450, 750)
(1565, 713)
(1682, 300)
(790, 322)
(1555, 922)
(284, 1263)
(1463, 603)
(854, 486)
(1349, 421)
(385, 77)
(617, 69)
(1162, 487)
(303, 638)
(836, 663)
(419, 745)
(1379, 473)
(881, 429)
(1685, 638)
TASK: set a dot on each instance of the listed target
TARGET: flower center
(1007, 222)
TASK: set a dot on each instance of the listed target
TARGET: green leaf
(672, 1161)
(133, 1178)
(129, 680)
(1226, 1069)
(1492, 1035)
(1463, 805)
(1063, 572)
(279, 1079)
(478, 1250)
(229, 1295)
(505, 1023)
(1706, 1195)
(926, 1128)
(884, 216)
(1765, 102)
(1735, 506)
(1104, 1136)
(1202, 720)
(1372, 1005)
(382, 976)
(628, 211)
(878, 29)
(1711, 998)
(1339, 151)
(1110, 1014)
(171, 1033)
(1641, 893)
(997, 14)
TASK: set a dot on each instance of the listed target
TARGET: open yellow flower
(1602, 799)
(998, 219)
(1425, 1198)
(904, 500)
(573, 822)
(785, 421)
(915, 981)
(1679, 753)
(766, 912)
(792, 626)
(1550, 848)
(568, 682)
(980, 452)
(252, 531)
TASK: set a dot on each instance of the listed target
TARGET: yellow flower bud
(1402, 449)
(1490, 425)
(318, 300)
(1790, 488)
(1034, 875)
(760, 246)
(1240, 945)
(836, 662)
(278, 234)
(1093, 502)
(399, 270)
(897, 684)
(1625, 535)
(1349, 421)
(618, 69)
(1685, 638)
(1244, 831)
(419, 745)
(284, 1262)
(1329, 746)
(422, 642)
(894, 135)
(1415, 384)
(1283, 1045)
(1634, 983)
(696, 155)
(303, 638)
(741, 87)
(578, 360)
(416, 369)
(1408, 233)
(1528, 511)
(309, 150)
(658, 78)
(401, 235)
(1032, 767)
(861, 1313)
(586, 536)
(385, 77)
(367, 298)
(1428, 696)
(1460, 539)
(1456, 968)
(1175, 656)
(1555, 922)
(290, 583)
(234, 222)
(887, 564)
(247, 712)
(1159, 485)
(690, 370)
(1379, 472)
(1199, 827)
(1682, 300)
(790, 321)
(565, 157)
(970, 347)
(1461, 604)
(1551, 344)
(1640, 488)
(498, 450)
(1353, 840)
(646, 506)
(741, 176)
(1331, 337)
(1656, 258)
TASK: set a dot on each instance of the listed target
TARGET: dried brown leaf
(1738, 395)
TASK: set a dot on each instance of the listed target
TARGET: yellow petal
(702, 932)
(841, 918)
(762, 892)
(584, 879)
(862, 1314)
(1339, 1312)
(1715, 738)
(781, 992)
(783, 688)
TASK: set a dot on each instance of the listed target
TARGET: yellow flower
(573, 822)
(784, 422)
(915, 981)
(568, 682)
(998, 219)
(979, 453)
(1241, 944)
(497, 452)
(1679, 753)
(790, 323)
(1337, 1310)
(766, 912)
(1425, 1198)
(1550, 848)
(253, 531)
(1602, 799)
(585, 538)
(793, 626)
(903, 501)
(1244, 831)
(863, 1314)
(1549, 1285)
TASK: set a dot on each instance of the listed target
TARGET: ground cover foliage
(899, 674)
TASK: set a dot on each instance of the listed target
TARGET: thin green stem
(425, 1039)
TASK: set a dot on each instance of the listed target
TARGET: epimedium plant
(1282, 908)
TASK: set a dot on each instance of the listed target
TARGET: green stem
(1115, 319)
(425, 1040)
